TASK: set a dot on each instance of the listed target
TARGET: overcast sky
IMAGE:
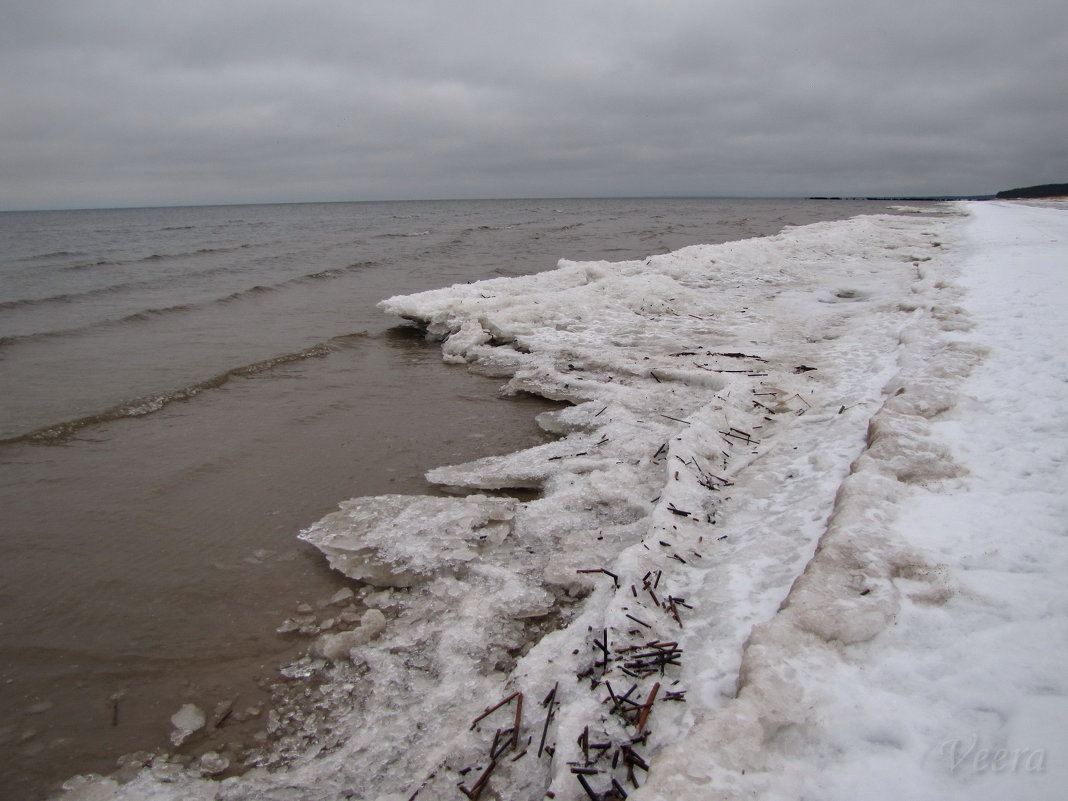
(148, 102)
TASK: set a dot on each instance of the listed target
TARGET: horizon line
(181, 205)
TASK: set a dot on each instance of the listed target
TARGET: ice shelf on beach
(803, 534)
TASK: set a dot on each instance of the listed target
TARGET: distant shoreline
(1021, 193)
(1034, 192)
(908, 198)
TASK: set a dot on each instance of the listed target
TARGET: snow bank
(742, 569)
(921, 654)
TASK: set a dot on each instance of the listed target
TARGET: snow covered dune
(921, 654)
(795, 538)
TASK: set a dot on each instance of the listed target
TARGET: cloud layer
(127, 102)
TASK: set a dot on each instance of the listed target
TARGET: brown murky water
(173, 551)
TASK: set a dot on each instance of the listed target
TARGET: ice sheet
(765, 560)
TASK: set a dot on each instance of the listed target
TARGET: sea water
(184, 389)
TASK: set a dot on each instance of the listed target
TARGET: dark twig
(614, 577)
(549, 702)
(648, 707)
(677, 420)
(518, 720)
(493, 709)
(586, 786)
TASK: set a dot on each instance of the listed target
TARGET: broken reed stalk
(480, 785)
(674, 611)
(518, 721)
(648, 708)
(738, 356)
(586, 786)
(743, 436)
(676, 419)
(658, 658)
(502, 740)
(549, 702)
(608, 573)
(489, 711)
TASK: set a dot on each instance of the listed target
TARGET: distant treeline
(1043, 190)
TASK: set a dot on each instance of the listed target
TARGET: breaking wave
(150, 259)
(57, 254)
(155, 313)
(140, 407)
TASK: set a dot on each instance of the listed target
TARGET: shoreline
(194, 496)
(719, 414)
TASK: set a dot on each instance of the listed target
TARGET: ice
(920, 654)
(801, 535)
(396, 540)
(212, 764)
(340, 645)
(187, 721)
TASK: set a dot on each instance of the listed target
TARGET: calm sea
(184, 389)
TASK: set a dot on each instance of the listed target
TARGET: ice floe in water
(396, 540)
(712, 549)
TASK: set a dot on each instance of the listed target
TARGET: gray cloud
(131, 102)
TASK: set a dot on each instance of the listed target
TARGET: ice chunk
(342, 596)
(186, 721)
(373, 622)
(337, 646)
(212, 763)
(398, 540)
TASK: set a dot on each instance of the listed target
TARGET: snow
(947, 679)
(802, 535)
